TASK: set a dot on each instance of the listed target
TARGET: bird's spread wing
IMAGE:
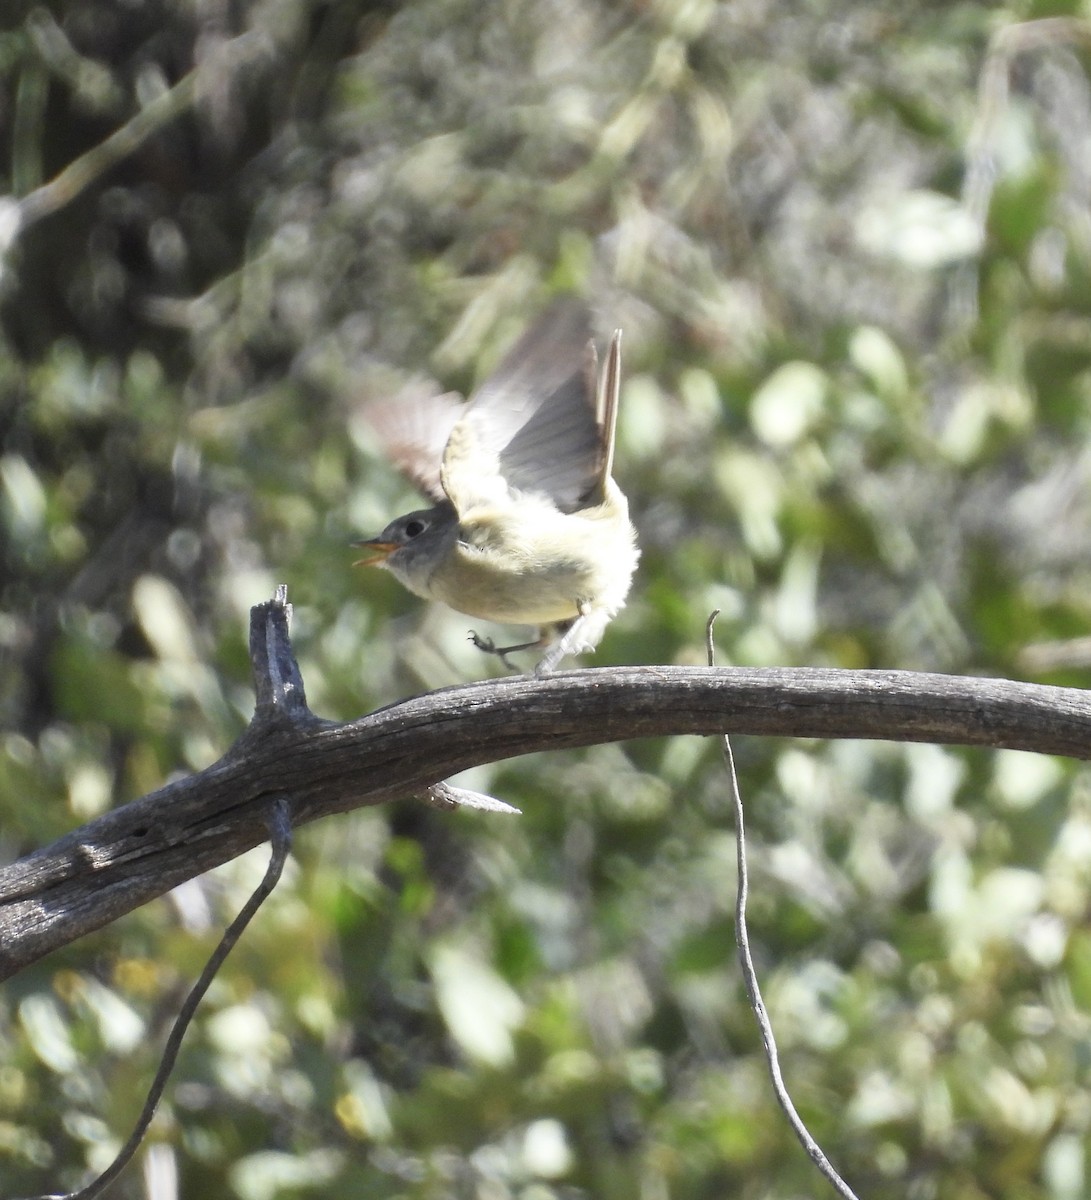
(534, 425)
(413, 427)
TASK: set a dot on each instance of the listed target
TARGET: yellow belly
(539, 571)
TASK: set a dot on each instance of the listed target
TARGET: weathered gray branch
(128, 856)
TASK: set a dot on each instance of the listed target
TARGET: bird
(527, 525)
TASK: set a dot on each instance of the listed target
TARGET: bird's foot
(488, 646)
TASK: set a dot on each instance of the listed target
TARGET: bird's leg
(547, 664)
(488, 646)
(568, 636)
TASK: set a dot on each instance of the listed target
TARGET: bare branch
(141, 850)
(278, 684)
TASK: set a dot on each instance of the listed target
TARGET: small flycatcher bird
(528, 526)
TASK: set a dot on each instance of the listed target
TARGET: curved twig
(750, 975)
(280, 829)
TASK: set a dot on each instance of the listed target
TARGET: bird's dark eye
(414, 528)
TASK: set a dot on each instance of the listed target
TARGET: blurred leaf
(94, 683)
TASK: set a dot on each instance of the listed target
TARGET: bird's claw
(488, 646)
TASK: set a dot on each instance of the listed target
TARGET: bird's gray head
(411, 547)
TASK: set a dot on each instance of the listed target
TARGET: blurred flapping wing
(534, 425)
(413, 427)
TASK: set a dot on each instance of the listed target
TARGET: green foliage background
(847, 422)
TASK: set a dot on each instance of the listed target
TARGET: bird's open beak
(379, 552)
